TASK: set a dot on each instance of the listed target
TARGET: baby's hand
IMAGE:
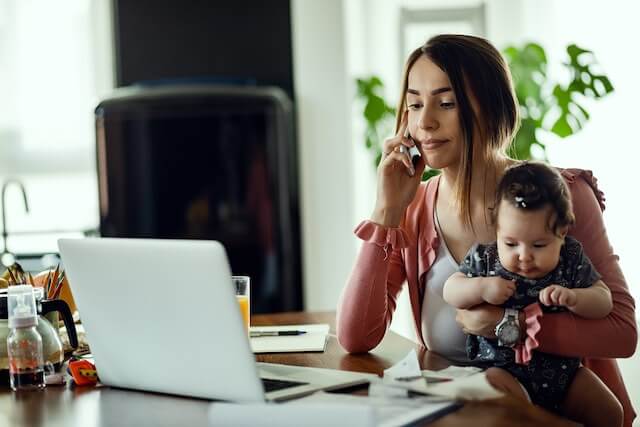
(497, 290)
(558, 295)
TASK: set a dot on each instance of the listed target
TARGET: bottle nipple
(21, 305)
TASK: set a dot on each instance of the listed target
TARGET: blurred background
(59, 60)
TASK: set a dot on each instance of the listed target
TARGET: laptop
(162, 316)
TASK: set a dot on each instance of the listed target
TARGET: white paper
(405, 375)
(315, 339)
(312, 414)
(389, 412)
(467, 383)
(473, 387)
(409, 367)
(451, 372)
(378, 389)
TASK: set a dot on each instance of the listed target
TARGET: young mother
(458, 106)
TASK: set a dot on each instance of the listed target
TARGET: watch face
(509, 334)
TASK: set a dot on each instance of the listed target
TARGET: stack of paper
(466, 383)
(314, 339)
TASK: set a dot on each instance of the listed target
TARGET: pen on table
(256, 334)
(429, 379)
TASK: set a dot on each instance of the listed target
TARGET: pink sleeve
(369, 297)
(565, 334)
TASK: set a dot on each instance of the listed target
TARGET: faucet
(5, 250)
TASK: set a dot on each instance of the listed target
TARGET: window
(418, 25)
(54, 66)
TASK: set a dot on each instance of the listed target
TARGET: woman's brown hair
(475, 69)
(532, 186)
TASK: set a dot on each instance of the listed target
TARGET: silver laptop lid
(161, 315)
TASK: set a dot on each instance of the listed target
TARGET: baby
(534, 260)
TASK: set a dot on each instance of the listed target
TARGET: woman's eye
(448, 105)
(539, 245)
(511, 244)
(414, 106)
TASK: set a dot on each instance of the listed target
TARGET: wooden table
(104, 406)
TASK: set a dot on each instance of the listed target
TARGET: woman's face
(433, 116)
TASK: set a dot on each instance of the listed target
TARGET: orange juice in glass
(243, 295)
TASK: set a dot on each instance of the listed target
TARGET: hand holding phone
(399, 175)
(414, 153)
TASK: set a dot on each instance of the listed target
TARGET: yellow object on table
(65, 291)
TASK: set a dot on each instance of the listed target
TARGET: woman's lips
(432, 144)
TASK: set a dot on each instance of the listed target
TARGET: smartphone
(414, 153)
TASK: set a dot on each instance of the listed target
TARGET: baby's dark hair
(532, 186)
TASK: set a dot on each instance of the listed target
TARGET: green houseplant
(546, 105)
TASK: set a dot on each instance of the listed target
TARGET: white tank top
(440, 331)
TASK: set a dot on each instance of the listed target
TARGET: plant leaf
(375, 109)
(520, 148)
(428, 173)
(561, 127)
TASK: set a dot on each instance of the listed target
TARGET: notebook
(314, 339)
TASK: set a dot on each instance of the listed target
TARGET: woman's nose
(427, 120)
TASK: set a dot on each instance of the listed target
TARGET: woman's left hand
(480, 320)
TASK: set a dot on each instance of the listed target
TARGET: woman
(458, 107)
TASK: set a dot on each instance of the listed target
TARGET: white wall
(325, 154)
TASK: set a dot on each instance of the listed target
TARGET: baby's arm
(461, 291)
(593, 302)
(464, 292)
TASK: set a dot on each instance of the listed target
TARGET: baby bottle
(24, 343)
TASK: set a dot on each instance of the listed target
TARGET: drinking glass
(242, 286)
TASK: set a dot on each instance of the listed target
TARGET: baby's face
(526, 245)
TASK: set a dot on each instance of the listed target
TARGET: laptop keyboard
(273, 385)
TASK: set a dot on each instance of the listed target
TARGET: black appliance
(206, 162)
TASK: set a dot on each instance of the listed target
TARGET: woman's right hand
(397, 179)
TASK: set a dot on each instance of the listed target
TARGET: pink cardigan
(390, 256)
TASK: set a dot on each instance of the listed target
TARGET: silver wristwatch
(508, 329)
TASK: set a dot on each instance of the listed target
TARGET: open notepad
(314, 339)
